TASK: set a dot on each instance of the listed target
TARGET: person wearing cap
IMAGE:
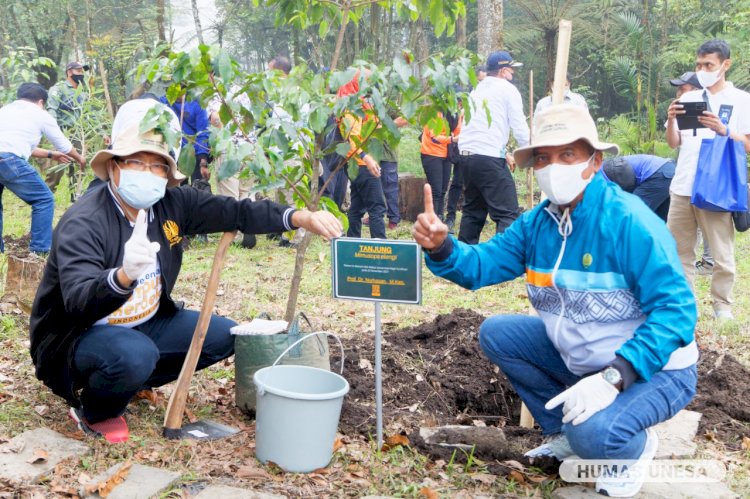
(104, 324)
(687, 82)
(22, 124)
(612, 351)
(489, 187)
(644, 175)
(65, 104)
(570, 97)
(728, 115)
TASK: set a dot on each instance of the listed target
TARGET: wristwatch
(49, 154)
(612, 376)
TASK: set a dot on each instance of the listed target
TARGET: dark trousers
(336, 188)
(367, 197)
(454, 192)
(112, 363)
(389, 180)
(438, 173)
(489, 188)
(654, 191)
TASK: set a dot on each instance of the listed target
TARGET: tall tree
(489, 26)
(160, 10)
(197, 20)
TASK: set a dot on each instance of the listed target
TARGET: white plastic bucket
(297, 414)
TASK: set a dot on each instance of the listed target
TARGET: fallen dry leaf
(104, 488)
(39, 456)
(250, 471)
(514, 464)
(517, 476)
(337, 444)
(84, 478)
(365, 364)
(428, 493)
(149, 395)
(538, 478)
(394, 441)
(41, 409)
(321, 471)
(484, 478)
(746, 443)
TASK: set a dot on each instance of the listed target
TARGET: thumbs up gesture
(428, 230)
(140, 253)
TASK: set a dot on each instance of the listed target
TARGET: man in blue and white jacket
(612, 352)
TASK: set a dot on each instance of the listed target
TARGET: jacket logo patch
(172, 231)
(587, 260)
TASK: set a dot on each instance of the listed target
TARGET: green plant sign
(377, 270)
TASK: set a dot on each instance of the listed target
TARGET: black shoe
(201, 238)
(450, 223)
(249, 241)
(274, 236)
(286, 243)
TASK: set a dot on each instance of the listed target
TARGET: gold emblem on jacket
(172, 231)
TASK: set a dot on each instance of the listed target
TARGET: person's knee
(45, 201)
(492, 336)
(595, 438)
(219, 343)
(131, 367)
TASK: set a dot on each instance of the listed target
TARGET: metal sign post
(377, 270)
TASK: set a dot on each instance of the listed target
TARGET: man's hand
(428, 230)
(205, 172)
(372, 165)
(584, 399)
(712, 121)
(61, 157)
(675, 109)
(321, 222)
(140, 253)
(510, 161)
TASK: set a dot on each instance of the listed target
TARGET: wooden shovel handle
(176, 406)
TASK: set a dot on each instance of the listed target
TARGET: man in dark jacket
(104, 321)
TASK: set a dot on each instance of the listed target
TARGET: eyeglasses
(156, 168)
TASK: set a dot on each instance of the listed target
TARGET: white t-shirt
(730, 100)
(142, 304)
(22, 124)
(505, 106)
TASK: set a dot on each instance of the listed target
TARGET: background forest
(623, 52)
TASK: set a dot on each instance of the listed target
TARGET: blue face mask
(141, 190)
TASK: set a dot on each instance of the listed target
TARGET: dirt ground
(436, 374)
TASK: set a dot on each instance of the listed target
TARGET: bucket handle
(341, 347)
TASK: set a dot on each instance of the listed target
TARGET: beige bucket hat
(128, 140)
(559, 125)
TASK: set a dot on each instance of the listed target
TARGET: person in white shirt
(570, 97)
(488, 179)
(22, 124)
(729, 114)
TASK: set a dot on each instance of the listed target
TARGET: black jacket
(78, 287)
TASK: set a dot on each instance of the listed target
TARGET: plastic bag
(721, 178)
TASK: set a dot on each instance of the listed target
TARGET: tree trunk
(340, 38)
(160, 21)
(375, 34)
(74, 33)
(410, 196)
(461, 32)
(489, 26)
(197, 20)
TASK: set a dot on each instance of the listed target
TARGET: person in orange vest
(434, 154)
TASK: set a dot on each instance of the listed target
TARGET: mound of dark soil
(18, 247)
(724, 398)
(436, 374)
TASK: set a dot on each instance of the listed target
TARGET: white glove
(584, 399)
(140, 253)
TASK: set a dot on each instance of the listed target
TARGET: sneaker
(114, 430)
(723, 315)
(702, 267)
(451, 224)
(286, 243)
(629, 482)
(249, 241)
(556, 446)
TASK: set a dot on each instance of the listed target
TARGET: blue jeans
(25, 182)
(113, 363)
(389, 181)
(519, 345)
(367, 197)
(654, 191)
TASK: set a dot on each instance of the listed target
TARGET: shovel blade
(201, 430)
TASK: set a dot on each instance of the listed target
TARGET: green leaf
(224, 64)
(343, 149)
(330, 206)
(228, 167)
(186, 162)
(323, 29)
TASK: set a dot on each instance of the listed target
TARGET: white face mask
(563, 183)
(708, 78)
